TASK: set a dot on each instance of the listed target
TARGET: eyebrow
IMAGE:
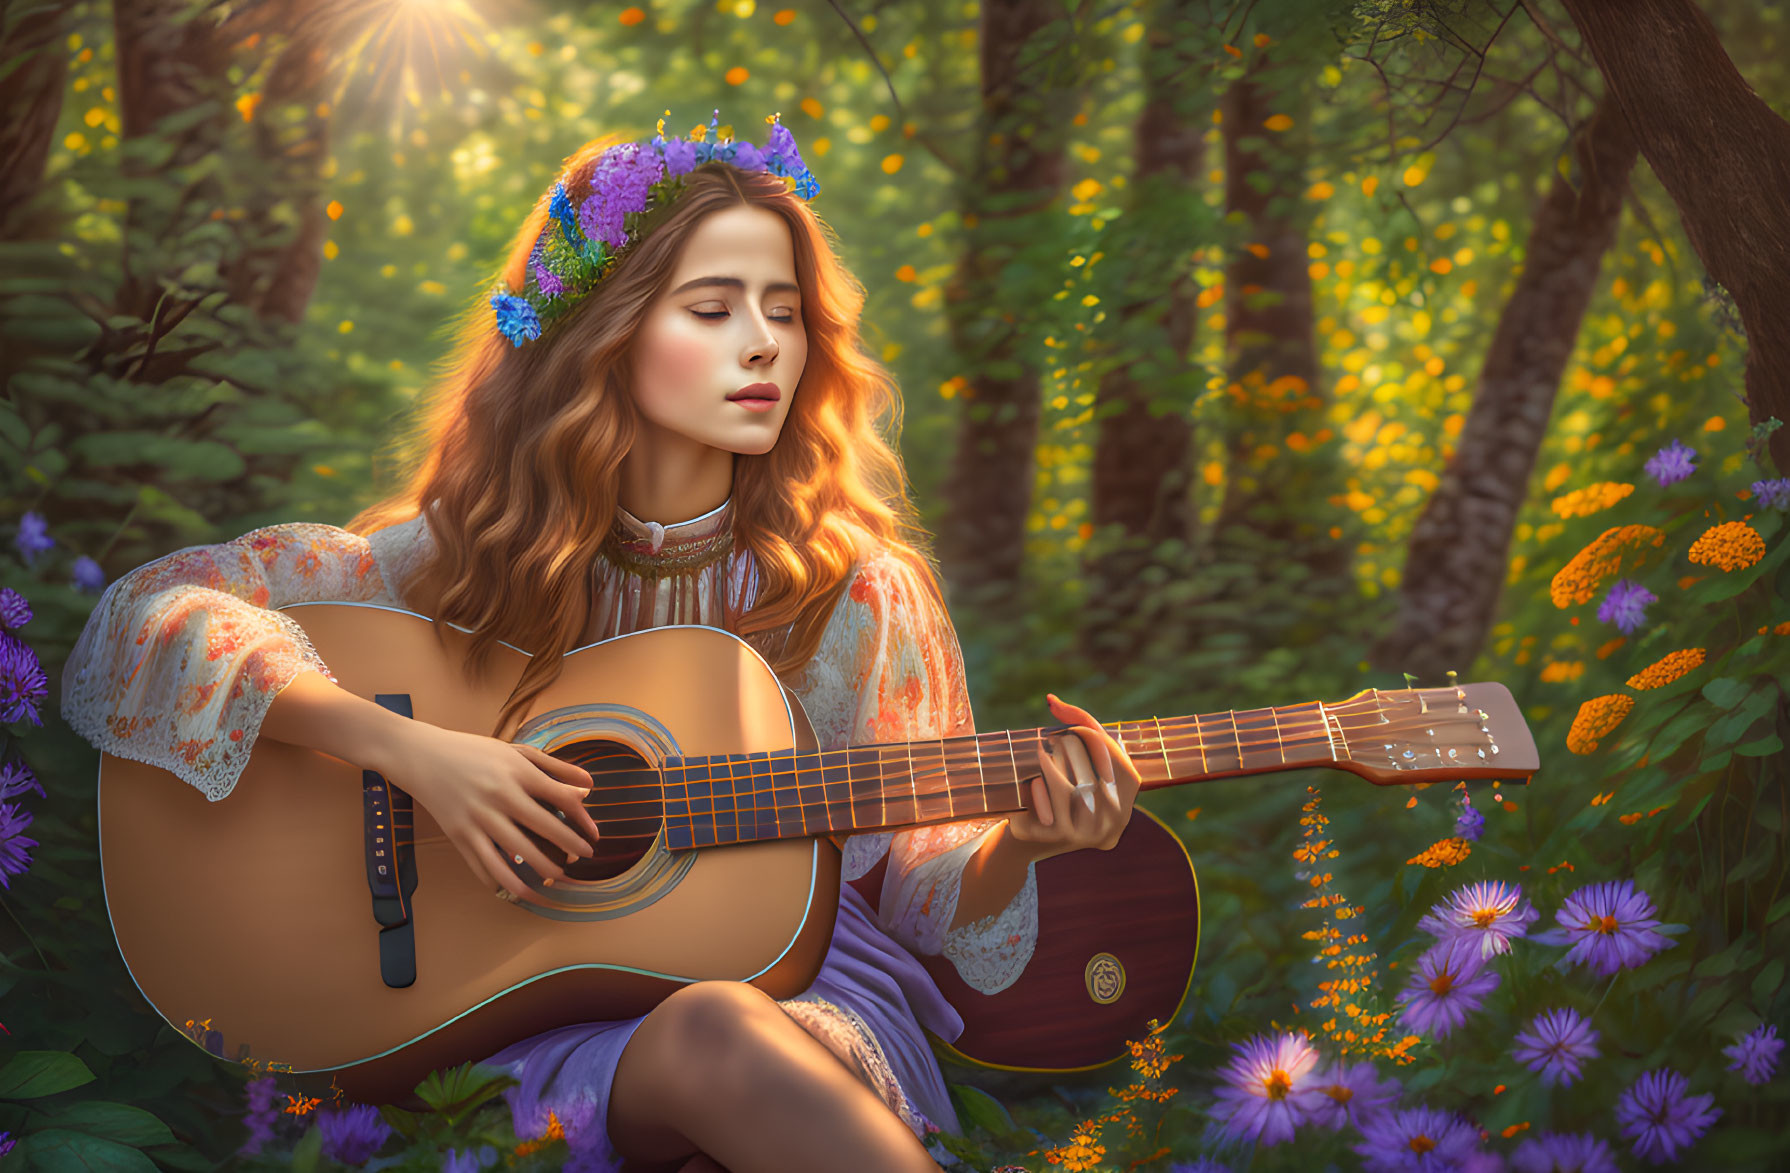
(735, 283)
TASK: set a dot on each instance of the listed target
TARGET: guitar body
(249, 922)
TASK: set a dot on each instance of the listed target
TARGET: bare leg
(719, 1069)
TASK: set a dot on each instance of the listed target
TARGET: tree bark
(1724, 157)
(30, 103)
(1141, 451)
(1459, 549)
(1019, 153)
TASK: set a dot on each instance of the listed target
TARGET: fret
(838, 796)
(981, 775)
(785, 802)
(934, 804)
(950, 791)
(726, 819)
(1254, 750)
(1168, 769)
(866, 792)
(1278, 743)
(1014, 758)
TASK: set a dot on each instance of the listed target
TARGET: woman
(592, 468)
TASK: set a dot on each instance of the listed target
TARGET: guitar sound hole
(624, 803)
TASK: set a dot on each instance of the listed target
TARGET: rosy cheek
(676, 360)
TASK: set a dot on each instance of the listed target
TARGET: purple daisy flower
(16, 778)
(1450, 982)
(262, 1114)
(1563, 1152)
(1610, 925)
(1755, 1055)
(1349, 1093)
(15, 609)
(1555, 1044)
(1660, 1118)
(1672, 463)
(1490, 912)
(1469, 823)
(1266, 1095)
(23, 684)
(1626, 606)
(15, 854)
(1481, 1161)
(33, 537)
(1773, 494)
(88, 576)
(352, 1135)
(1416, 1139)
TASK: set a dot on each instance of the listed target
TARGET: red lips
(758, 391)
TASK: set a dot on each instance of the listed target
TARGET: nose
(763, 350)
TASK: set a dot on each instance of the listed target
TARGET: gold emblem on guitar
(1105, 978)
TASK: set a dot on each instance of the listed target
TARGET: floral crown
(628, 183)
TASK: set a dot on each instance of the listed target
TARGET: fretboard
(742, 798)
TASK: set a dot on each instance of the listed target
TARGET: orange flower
(1732, 545)
(1596, 717)
(1578, 581)
(1591, 499)
(1444, 853)
(1667, 668)
(1559, 671)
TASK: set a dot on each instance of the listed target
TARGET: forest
(1252, 353)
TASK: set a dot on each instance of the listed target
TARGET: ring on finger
(517, 858)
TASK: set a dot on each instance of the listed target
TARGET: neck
(672, 482)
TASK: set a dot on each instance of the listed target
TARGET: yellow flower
(1596, 717)
(1591, 499)
(1444, 853)
(1732, 545)
(1666, 669)
(1578, 581)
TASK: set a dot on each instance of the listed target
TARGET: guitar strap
(391, 862)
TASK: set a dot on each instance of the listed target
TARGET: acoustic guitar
(317, 921)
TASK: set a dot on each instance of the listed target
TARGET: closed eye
(723, 313)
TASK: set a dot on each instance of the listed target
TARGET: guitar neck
(740, 798)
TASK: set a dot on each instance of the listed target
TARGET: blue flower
(15, 856)
(33, 537)
(15, 610)
(23, 684)
(16, 778)
(806, 185)
(516, 318)
(1626, 606)
(1672, 463)
(353, 1134)
(1660, 1118)
(88, 575)
(560, 208)
(1773, 494)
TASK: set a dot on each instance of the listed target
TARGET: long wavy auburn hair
(518, 451)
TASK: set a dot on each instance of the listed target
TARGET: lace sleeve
(908, 684)
(182, 657)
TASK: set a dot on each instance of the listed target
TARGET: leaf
(113, 1121)
(1769, 744)
(31, 1074)
(1778, 910)
(457, 1091)
(1724, 692)
(406, 1124)
(981, 1110)
(306, 1152)
(1765, 986)
(202, 460)
(57, 1149)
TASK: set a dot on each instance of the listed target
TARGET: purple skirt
(870, 991)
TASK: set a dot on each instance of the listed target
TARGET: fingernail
(547, 883)
(571, 857)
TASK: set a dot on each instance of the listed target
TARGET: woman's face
(730, 316)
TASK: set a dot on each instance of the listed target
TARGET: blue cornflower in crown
(582, 242)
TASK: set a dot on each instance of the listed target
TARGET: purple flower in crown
(1672, 463)
(680, 157)
(1626, 606)
(15, 609)
(781, 147)
(546, 280)
(619, 184)
(747, 157)
(15, 854)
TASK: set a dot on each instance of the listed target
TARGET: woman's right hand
(483, 791)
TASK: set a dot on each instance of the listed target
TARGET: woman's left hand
(1088, 809)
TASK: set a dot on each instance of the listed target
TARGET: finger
(561, 771)
(495, 865)
(568, 797)
(1041, 800)
(510, 840)
(1095, 740)
(1063, 797)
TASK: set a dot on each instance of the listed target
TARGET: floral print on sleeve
(182, 657)
(892, 656)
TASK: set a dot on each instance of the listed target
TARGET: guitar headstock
(1461, 731)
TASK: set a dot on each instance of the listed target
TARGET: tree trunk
(30, 102)
(1455, 564)
(1019, 154)
(1724, 157)
(1141, 452)
(1281, 469)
